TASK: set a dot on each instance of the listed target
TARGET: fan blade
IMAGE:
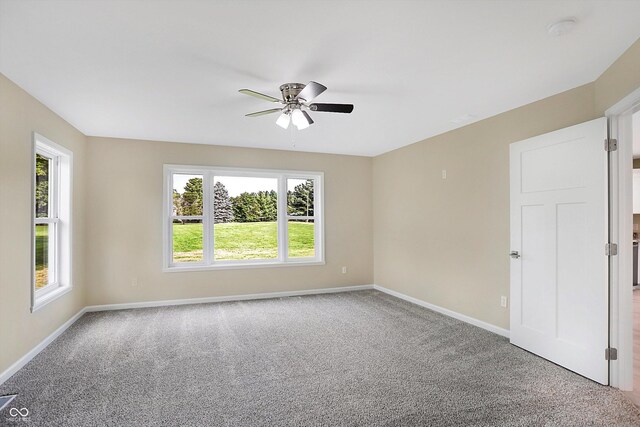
(332, 108)
(259, 95)
(310, 91)
(262, 113)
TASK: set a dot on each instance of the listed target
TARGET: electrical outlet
(503, 301)
(134, 282)
(444, 174)
(344, 270)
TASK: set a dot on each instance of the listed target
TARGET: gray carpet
(358, 358)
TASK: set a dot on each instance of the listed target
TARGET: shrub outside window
(217, 217)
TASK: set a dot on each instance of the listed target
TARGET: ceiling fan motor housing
(290, 91)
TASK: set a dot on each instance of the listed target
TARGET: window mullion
(54, 241)
(318, 217)
(283, 241)
(169, 230)
(207, 218)
(54, 251)
(53, 188)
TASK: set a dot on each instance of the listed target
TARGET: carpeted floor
(358, 358)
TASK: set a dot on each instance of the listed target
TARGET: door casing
(621, 230)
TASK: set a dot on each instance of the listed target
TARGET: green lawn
(42, 255)
(249, 240)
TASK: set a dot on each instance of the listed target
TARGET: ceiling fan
(296, 98)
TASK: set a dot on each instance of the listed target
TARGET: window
(51, 222)
(233, 218)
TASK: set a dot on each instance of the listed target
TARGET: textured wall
(125, 235)
(20, 115)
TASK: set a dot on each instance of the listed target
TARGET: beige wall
(20, 114)
(125, 233)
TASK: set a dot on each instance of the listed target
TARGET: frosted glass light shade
(284, 120)
(301, 119)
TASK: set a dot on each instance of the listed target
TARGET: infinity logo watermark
(14, 412)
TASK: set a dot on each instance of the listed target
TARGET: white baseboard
(445, 311)
(265, 295)
(38, 348)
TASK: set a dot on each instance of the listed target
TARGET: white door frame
(621, 230)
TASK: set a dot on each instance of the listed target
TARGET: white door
(559, 223)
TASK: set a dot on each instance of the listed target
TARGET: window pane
(245, 213)
(301, 238)
(187, 195)
(43, 167)
(300, 197)
(246, 240)
(187, 240)
(42, 255)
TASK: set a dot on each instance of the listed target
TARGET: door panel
(559, 285)
(571, 271)
(536, 287)
(552, 167)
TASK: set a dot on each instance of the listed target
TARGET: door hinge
(611, 249)
(610, 144)
(610, 353)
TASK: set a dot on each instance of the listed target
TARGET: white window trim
(209, 263)
(61, 202)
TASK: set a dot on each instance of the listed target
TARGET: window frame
(58, 219)
(208, 262)
(51, 220)
(289, 217)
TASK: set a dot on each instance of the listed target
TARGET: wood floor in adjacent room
(348, 359)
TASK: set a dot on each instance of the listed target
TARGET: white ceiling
(170, 70)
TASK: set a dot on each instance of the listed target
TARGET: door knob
(514, 254)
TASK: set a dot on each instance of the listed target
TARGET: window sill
(49, 297)
(183, 268)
